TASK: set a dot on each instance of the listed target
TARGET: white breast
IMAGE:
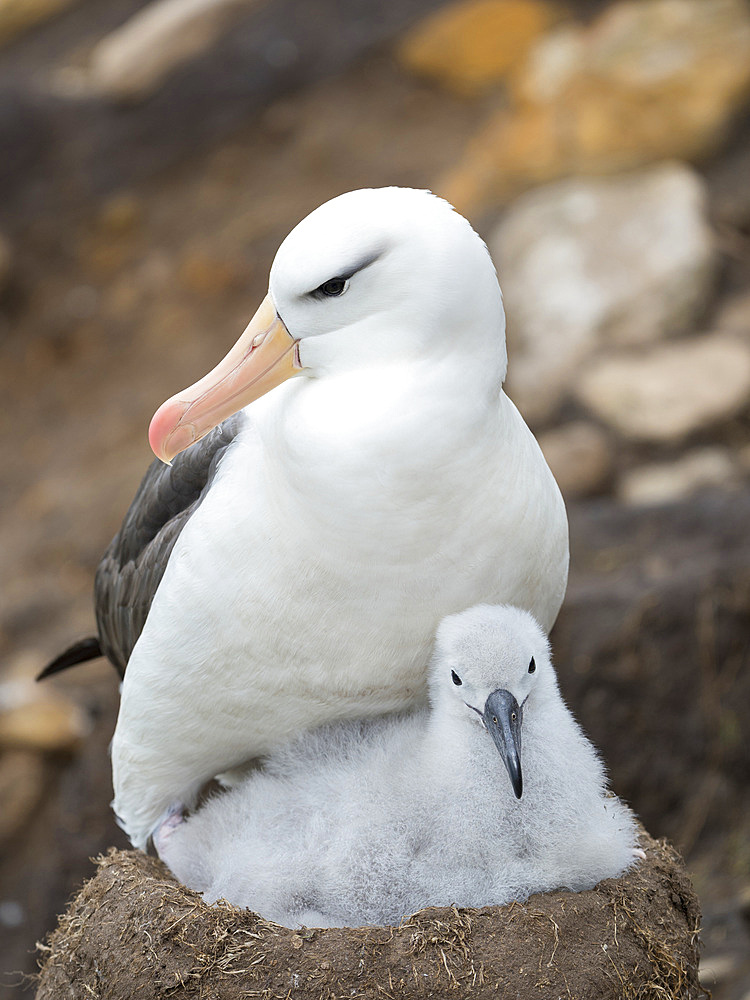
(309, 583)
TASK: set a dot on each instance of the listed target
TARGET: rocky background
(152, 157)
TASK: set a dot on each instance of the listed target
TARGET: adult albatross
(291, 567)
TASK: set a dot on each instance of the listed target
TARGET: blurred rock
(734, 314)
(580, 457)
(121, 213)
(730, 193)
(18, 15)
(11, 913)
(6, 261)
(21, 788)
(43, 723)
(664, 482)
(470, 46)
(206, 275)
(743, 457)
(132, 62)
(81, 302)
(72, 822)
(155, 273)
(669, 391)
(651, 648)
(716, 968)
(644, 82)
(585, 263)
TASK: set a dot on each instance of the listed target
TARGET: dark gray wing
(134, 563)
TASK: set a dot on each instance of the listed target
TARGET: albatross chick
(491, 794)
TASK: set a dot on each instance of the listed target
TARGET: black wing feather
(79, 652)
(134, 563)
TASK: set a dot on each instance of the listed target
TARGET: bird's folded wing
(133, 565)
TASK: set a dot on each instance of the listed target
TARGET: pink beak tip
(162, 427)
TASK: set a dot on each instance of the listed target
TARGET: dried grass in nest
(133, 931)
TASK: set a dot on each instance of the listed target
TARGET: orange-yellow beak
(263, 357)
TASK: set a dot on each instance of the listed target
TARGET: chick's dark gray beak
(503, 716)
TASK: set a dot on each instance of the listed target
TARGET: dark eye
(333, 287)
(532, 666)
(456, 679)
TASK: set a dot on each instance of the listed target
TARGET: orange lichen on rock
(471, 47)
(644, 82)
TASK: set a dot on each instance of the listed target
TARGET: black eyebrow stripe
(365, 262)
(346, 275)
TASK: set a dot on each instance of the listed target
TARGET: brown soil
(133, 931)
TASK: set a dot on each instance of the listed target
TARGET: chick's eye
(333, 287)
(455, 678)
(532, 666)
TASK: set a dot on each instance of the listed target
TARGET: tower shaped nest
(133, 931)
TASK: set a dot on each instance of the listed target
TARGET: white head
(385, 273)
(373, 276)
(490, 664)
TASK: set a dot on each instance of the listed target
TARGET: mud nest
(133, 931)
